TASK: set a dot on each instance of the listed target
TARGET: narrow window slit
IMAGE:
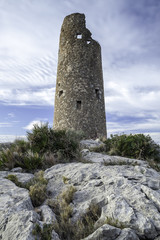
(88, 41)
(97, 93)
(60, 93)
(79, 36)
(78, 104)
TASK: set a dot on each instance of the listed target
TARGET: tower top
(74, 25)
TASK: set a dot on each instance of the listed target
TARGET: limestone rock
(128, 196)
(103, 158)
(90, 143)
(121, 191)
(22, 177)
(127, 234)
(16, 212)
(55, 236)
(48, 216)
(106, 232)
(17, 169)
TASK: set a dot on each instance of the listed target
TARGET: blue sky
(129, 34)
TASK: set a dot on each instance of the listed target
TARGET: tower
(79, 97)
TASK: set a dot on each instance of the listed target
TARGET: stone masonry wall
(79, 98)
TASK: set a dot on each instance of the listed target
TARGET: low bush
(37, 194)
(64, 143)
(44, 148)
(38, 179)
(37, 189)
(138, 146)
(44, 233)
(7, 159)
(5, 145)
(67, 195)
(99, 149)
(14, 179)
(20, 154)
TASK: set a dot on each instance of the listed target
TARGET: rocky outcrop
(127, 194)
(16, 212)
(124, 193)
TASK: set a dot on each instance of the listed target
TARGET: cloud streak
(129, 35)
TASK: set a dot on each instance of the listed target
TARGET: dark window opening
(89, 41)
(79, 36)
(78, 104)
(59, 84)
(97, 93)
(60, 93)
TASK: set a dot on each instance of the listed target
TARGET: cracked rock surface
(128, 195)
(123, 192)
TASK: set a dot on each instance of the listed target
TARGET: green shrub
(37, 194)
(37, 230)
(64, 143)
(7, 159)
(38, 179)
(39, 137)
(67, 195)
(37, 189)
(5, 145)
(20, 154)
(44, 148)
(29, 160)
(98, 149)
(47, 232)
(138, 146)
(44, 233)
(14, 179)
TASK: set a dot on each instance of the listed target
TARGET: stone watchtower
(79, 97)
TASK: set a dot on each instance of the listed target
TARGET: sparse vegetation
(86, 224)
(44, 148)
(138, 146)
(67, 195)
(99, 149)
(37, 189)
(121, 163)
(65, 179)
(115, 223)
(64, 143)
(14, 179)
(65, 227)
(154, 165)
(20, 154)
(43, 233)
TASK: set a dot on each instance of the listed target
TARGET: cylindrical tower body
(79, 97)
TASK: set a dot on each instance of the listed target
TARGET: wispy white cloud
(32, 124)
(5, 124)
(128, 32)
(42, 96)
(38, 122)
